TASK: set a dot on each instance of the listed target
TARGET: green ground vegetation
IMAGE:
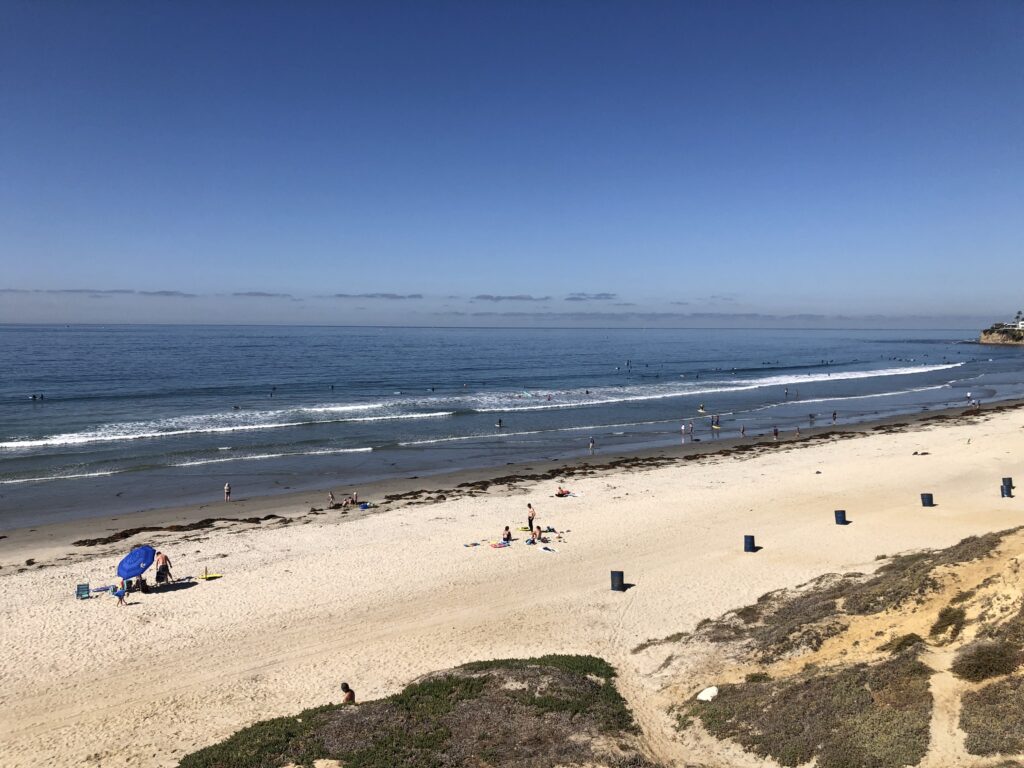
(510, 713)
(852, 717)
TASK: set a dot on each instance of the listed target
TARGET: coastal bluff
(1006, 336)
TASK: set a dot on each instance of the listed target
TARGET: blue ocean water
(134, 417)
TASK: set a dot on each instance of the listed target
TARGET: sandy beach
(377, 599)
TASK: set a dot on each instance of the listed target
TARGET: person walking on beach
(163, 568)
(330, 499)
(743, 430)
(530, 517)
(349, 696)
(227, 491)
(591, 446)
(775, 433)
(833, 417)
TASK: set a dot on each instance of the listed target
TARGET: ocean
(136, 417)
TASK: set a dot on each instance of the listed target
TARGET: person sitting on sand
(538, 537)
(506, 536)
(349, 696)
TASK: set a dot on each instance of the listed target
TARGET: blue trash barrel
(748, 544)
(1008, 482)
(1004, 491)
(618, 582)
(927, 500)
(841, 517)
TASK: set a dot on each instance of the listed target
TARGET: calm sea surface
(134, 417)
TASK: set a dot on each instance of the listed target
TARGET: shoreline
(82, 539)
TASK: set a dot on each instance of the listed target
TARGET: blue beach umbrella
(136, 562)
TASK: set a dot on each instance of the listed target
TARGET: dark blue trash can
(748, 544)
(618, 582)
(1008, 482)
(841, 517)
(927, 500)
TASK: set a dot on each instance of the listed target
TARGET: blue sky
(669, 163)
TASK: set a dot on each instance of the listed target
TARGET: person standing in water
(775, 433)
(592, 446)
(227, 491)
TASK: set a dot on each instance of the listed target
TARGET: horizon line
(471, 327)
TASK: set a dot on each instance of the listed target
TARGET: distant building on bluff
(1005, 333)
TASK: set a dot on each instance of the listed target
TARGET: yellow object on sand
(210, 576)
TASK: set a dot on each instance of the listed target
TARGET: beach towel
(500, 544)
(103, 589)
(472, 544)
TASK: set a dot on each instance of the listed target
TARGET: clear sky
(483, 163)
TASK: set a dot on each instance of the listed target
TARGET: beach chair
(82, 592)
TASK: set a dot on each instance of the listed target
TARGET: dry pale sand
(379, 600)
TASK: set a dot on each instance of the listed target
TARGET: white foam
(504, 434)
(662, 392)
(260, 456)
(852, 397)
(59, 477)
(341, 408)
(150, 430)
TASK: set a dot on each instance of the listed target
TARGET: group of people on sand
(348, 501)
(536, 535)
(138, 584)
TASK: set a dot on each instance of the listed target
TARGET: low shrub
(984, 659)
(950, 619)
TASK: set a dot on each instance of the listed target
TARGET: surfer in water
(499, 425)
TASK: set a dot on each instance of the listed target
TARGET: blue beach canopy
(136, 562)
